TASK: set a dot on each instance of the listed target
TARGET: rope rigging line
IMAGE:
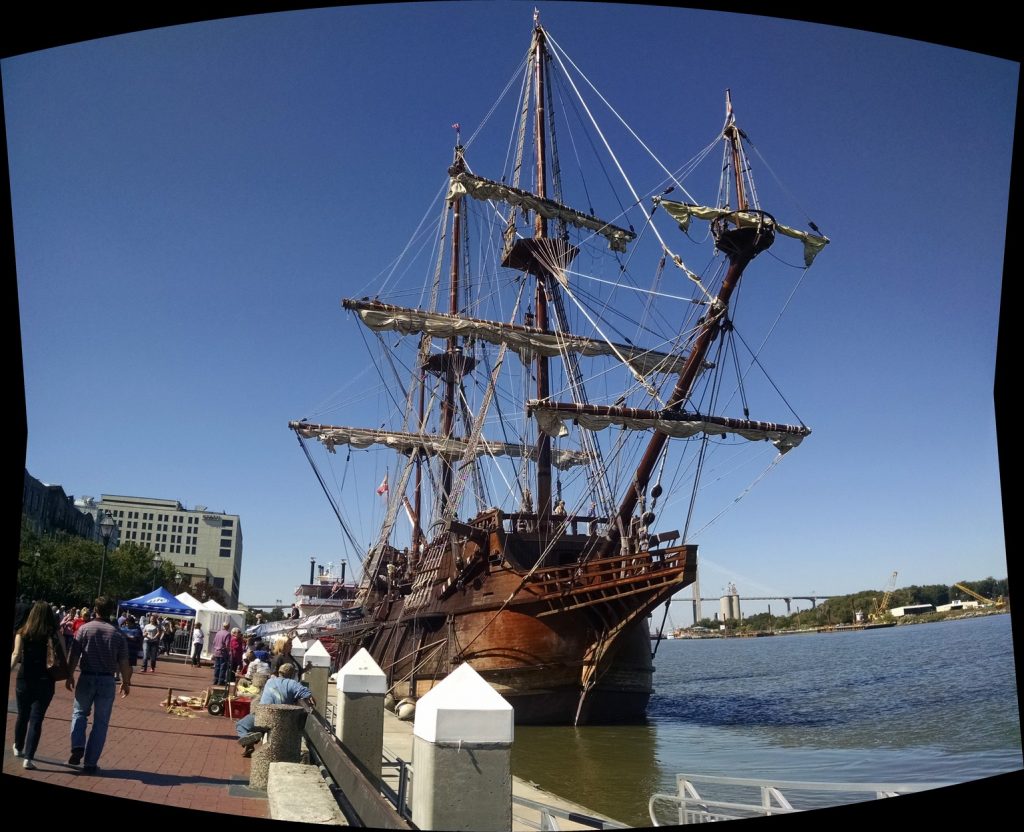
(597, 157)
(473, 440)
(554, 268)
(782, 185)
(394, 401)
(330, 498)
(595, 469)
(662, 342)
(755, 360)
(687, 168)
(398, 259)
(478, 485)
(501, 422)
(516, 73)
(740, 496)
(558, 53)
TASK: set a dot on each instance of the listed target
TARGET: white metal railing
(547, 817)
(734, 798)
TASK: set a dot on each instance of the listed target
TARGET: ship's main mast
(540, 232)
(453, 365)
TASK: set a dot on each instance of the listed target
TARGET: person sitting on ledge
(279, 690)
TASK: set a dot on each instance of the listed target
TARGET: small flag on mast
(383, 487)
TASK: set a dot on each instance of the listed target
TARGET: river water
(922, 703)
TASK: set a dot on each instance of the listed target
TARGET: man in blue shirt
(279, 690)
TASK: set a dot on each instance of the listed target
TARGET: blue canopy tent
(161, 602)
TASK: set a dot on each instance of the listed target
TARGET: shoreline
(902, 621)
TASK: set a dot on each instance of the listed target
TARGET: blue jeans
(220, 670)
(33, 699)
(92, 694)
(245, 725)
(150, 649)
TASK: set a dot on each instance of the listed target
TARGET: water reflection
(611, 769)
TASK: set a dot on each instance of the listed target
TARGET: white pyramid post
(462, 756)
(359, 718)
(316, 677)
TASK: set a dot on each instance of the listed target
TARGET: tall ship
(550, 402)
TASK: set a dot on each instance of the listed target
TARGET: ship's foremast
(740, 245)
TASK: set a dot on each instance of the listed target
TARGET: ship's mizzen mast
(417, 509)
(740, 245)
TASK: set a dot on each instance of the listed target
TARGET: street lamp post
(157, 562)
(106, 529)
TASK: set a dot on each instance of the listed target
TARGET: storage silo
(734, 602)
(725, 608)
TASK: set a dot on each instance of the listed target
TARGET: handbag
(56, 664)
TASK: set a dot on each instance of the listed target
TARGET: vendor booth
(164, 605)
(211, 616)
(159, 601)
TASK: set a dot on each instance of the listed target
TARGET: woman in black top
(34, 688)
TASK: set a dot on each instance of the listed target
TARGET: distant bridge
(787, 598)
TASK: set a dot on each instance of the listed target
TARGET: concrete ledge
(297, 792)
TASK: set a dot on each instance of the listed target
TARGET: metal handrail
(692, 807)
(549, 816)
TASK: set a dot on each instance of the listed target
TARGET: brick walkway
(191, 762)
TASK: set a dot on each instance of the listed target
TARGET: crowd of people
(51, 643)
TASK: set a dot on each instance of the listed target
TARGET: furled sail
(466, 183)
(681, 212)
(429, 444)
(551, 418)
(525, 341)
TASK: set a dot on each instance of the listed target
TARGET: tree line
(842, 609)
(65, 569)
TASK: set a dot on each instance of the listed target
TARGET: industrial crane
(882, 607)
(987, 602)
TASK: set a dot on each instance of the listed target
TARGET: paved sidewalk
(191, 762)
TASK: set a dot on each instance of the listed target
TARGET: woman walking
(37, 638)
(150, 644)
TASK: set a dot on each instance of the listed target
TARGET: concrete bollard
(316, 680)
(359, 719)
(316, 677)
(298, 650)
(462, 756)
(283, 743)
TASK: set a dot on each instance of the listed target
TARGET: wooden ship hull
(564, 641)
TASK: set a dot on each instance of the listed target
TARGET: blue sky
(191, 203)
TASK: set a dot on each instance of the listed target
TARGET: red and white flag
(383, 487)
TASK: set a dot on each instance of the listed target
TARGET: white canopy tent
(211, 616)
